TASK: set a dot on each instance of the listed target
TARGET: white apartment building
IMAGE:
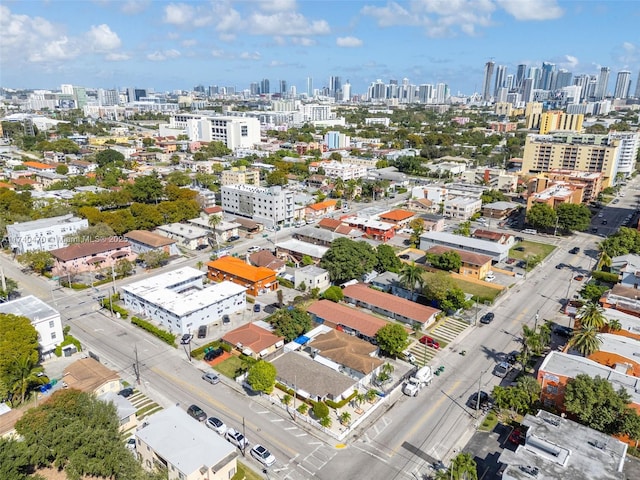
(462, 208)
(179, 301)
(45, 319)
(497, 179)
(44, 234)
(345, 171)
(234, 132)
(272, 205)
(240, 176)
(627, 150)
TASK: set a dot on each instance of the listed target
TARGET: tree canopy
(109, 157)
(18, 345)
(347, 259)
(392, 339)
(441, 289)
(262, 376)
(624, 241)
(291, 323)
(449, 261)
(387, 261)
(333, 293)
(573, 217)
(491, 196)
(541, 216)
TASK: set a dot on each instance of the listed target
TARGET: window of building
(552, 389)
(51, 324)
(53, 335)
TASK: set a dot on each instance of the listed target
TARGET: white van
(530, 231)
(489, 277)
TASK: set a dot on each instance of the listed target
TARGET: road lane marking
(383, 460)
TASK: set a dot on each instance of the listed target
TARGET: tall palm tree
(23, 376)
(614, 325)
(586, 341)
(604, 261)
(214, 221)
(410, 275)
(532, 344)
(591, 314)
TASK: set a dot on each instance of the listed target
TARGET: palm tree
(199, 264)
(23, 376)
(214, 221)
(463, 467)
(325, 422)
(410, 275)
(586, 341)
(604, 261)
(531, 345)
(614, 325)
(591, 314)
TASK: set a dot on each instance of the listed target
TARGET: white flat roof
(184, 442)
(161, 290)
(461, 242)
(44, 223)
(314, 251)
(31, 307)
(626, 347)
(183, 230)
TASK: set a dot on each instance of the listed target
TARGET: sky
(168, 45)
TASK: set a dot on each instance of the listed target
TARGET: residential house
(294, 250)
(558, 448)
(223, 230)
(619, 351)
(44, 234)
(320, 209)
(264, 258)
(8, 419)
(501, 238)
(180, 301)
(398, 217)
(628, 269)
(254, 340)
(45, 319)
(124, 408)
(474, 265)
(622, 298)
(399, 309)
(499, 210)
(46, 179)
(312, 277)
(346, 319)
(38, 167)
(496, 251)
(188, 236)
(191, 451)
(257, 280)
(374, 229)
(91, 256)
(89, 375)
(143, 241)
(317, 236)
(317, 181)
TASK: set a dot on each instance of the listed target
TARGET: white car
(263, 455)
(131, 443)
(254, 249)
(216, 425)
(235, 437)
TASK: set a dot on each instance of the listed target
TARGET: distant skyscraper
(442, 93)
(535, 74)
(623, 84)
(527, 90)
(346, 92)
(501, 76)
(486, 82)
(509, 82)
(563, 79)
(254, 88)
(546, 82)
(603, 83)
(637, 95)
(283, 87)
(309, 87)
(213, 90)
(66, 89)
(108, 97)
(425, 93)
(264, 86)
(520, 75)
(335, 87)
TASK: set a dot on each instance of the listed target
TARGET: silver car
(263, 455)
(501, 369)
(212, 378)
(216, 425)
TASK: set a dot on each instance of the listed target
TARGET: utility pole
(478, 399)
(136, 366)
(244, 444)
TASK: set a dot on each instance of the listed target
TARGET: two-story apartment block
(91, 256)
(557, 194)
(256, 280)
(374, 229)
(44, 234)
(462, 208)
(271, 206)
(143, 241)
(189, 236)
(240, 175)
(472, 264)
(45, 319)
(180, 301)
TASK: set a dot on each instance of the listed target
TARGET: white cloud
(628, 54)
(189, 42)
(391, 15)
(55, 50)
(227, 37)
(217, 53)
(348, 42)
(303, 41)
(178, 14)
(159, 56)
(570, 62)
(250, 56)
(117, 57)
(277, 5)
(275, 63)
(131, 7)
(532, 9)
(102, 39)
(286, 23)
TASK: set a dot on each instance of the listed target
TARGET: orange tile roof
(323, 205)
(397, 215)
(469, 258)
(38, 165)
(238, 268)
(351, 317)
(6, 185)
(329, 223)
(23, 181)
(253, 337)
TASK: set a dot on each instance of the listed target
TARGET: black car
(197, 413)
(404, 256)
(202, 331)
(487, 318)
(575, 250)
(233, 238)
(560, 266)
(563, 331)
(201, 247)
(226, 320)
(126, 392)
(186, 339)
(473, 400)
(213, 354)
(512, 357)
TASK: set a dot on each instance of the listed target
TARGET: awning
(119, 254)
(96, 260)
(302, 339)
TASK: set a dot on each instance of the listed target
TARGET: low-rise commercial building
(496, 251)
(256, 280)
(190, 452)
(143, 241)
(180, 302)
(44, 234)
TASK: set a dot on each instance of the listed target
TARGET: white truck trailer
(415, 383)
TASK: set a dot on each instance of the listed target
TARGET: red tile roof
(212, 210)
(488, 234)
(323, 205)
(38, 165)
(386, 301)
(350, 317)
(238, 268)
(329, 223)
(469, 258)
(396, 215)
(253, 337)
(149, 238)
(79, 250)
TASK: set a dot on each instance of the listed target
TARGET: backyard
(526, 248)
(479, 291)
(234, 366)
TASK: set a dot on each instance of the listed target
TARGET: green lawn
(233, 366)
(531, 248)
(479, 291)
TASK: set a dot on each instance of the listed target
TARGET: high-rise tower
(501, 77)
(603, 83)
(546, 82)
(486, 82)
(623, 84)
(520, 75)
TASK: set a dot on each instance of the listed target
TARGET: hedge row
(68, 340)
(285, 283)
(163, 335)
(342, 402)
(111, 305)
(606, 277)
(199, 352)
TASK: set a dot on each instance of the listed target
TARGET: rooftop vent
(553, 421)
(533, 471)
(597, 444)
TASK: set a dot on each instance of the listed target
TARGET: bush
(111, 305)
(334, 293)
(199, 352)
(341, 403)
(606, 277)
(251, 299)
(68, 340)
(163, 335)
(285, 283)
(320, 410)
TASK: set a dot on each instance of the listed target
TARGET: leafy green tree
(541, 216)
(11, 287)
(214, 221)
(62, 169)
(441, 289)
(387, 261)
(90, 234)
(624, 241)
(463, 467)
(14, 460)
(262, 376)
(109, 157)
(23, 375)
(147, 188)
(333, 293)
(630, 425)
(290, 324)
(448, 261)
(463, 229)
(320, 410)
(154, 259)
(38, 261)
(573, 217)
(392, 339)
(178, 178)
(146, 216)
(596, 404)
(123, 268)
(120, 221)
(307, 260)
(347, 259)
(586, 341)
(592, 292)
(277, 177)
(76, 432)
(591, 314)
(491, 196)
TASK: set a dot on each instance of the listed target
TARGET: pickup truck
(415, 383)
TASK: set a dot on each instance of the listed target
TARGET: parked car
(197, 413)
(256, 307)
(517, 437)
(473, 400)
(409, 357)
(264, 456)
(216, 425)
(254, 248)
(131, 443)
(212, 378)
(511, 260)
(563, 331)
(236, 438)
(579, 278)
(126, 392)
(186, 338)
(575, 250)
(213, 354)
(519, 249)
(430, 342)
(501, 369)
(487, 318)
(512, 357)
(226, 319)
(233, 238)
(202, 331)
(404, 256)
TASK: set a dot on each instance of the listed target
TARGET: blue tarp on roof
(302, 339)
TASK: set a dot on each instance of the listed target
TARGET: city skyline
(168, 46)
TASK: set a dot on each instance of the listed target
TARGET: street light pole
(535, 325)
